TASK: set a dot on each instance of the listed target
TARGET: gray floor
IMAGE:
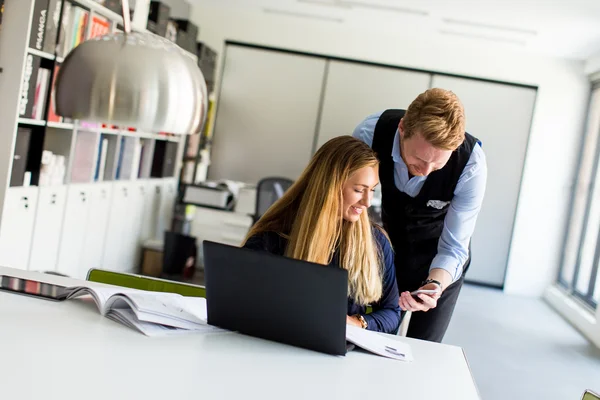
(519, 348)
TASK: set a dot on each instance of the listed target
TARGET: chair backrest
(144, 283)
(589, 395)
(268, 191)
(178, 248)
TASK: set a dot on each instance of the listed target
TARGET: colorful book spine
(52, 116)
(99, 26)
(41, 93)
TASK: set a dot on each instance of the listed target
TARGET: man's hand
(425, 302)
(353, 321)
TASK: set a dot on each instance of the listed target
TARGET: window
(579, 269)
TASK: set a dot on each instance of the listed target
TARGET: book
(52, 169)
(38, 24)
(73, 28)
(41, 93)
(170, 159)
(137, 155)
(83, 167)
(101, 164)
(19, 164)
(193, 145)
(52, 116)
(62, 47)
(127, 158)
(28, 86)
(52, 21)
(81, 21)
(100, 26)
(151, 313)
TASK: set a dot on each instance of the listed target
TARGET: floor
(519, 348)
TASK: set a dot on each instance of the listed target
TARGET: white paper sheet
(378, 344)
(128, 318)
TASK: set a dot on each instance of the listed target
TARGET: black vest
(415, 224)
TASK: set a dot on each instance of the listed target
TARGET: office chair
(179, 256)
(589, 395)
(268, 191)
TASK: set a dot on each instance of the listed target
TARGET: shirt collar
(396, 149)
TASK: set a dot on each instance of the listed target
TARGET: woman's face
(357, 192)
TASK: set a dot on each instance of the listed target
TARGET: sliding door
(500, 116)
(267, 114)
(353, 91)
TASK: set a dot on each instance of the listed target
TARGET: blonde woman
(323, 218)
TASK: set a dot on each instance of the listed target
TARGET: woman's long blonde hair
(309, 215)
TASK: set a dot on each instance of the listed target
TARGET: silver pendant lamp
(133, 79)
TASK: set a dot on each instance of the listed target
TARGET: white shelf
(142, 135)
(100, 9)
(139, 134)
(60, 125)
(42, 54)
(109, 131)
(29, 121)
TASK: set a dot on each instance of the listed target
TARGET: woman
(322, 218)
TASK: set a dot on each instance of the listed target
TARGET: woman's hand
(426, 301)
(353, 321)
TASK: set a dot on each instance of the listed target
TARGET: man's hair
(439, 116)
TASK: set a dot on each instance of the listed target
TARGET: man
(433, 177)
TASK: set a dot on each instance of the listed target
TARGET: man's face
(420, 156)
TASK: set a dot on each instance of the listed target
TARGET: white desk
(67, 350)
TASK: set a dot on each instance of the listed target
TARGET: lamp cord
(126, 16)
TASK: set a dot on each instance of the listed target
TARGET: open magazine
(151, 313)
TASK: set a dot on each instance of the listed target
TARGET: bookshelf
(76, 195)
(197, 147)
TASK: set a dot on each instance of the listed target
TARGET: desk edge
(471, 373)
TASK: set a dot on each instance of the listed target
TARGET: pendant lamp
(133, 79)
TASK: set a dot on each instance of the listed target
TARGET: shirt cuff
(447, 263)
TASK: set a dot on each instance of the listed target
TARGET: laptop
(276, 298)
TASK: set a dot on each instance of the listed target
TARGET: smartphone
(424, 291)
(33, 288)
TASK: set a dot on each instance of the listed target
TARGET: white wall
(585, 321)
(592, 64)
(556, 129)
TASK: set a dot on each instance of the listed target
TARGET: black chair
(179, 256)
(268, 191)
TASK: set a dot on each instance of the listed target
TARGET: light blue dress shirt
(459, 224)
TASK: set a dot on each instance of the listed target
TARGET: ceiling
(563, 28)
